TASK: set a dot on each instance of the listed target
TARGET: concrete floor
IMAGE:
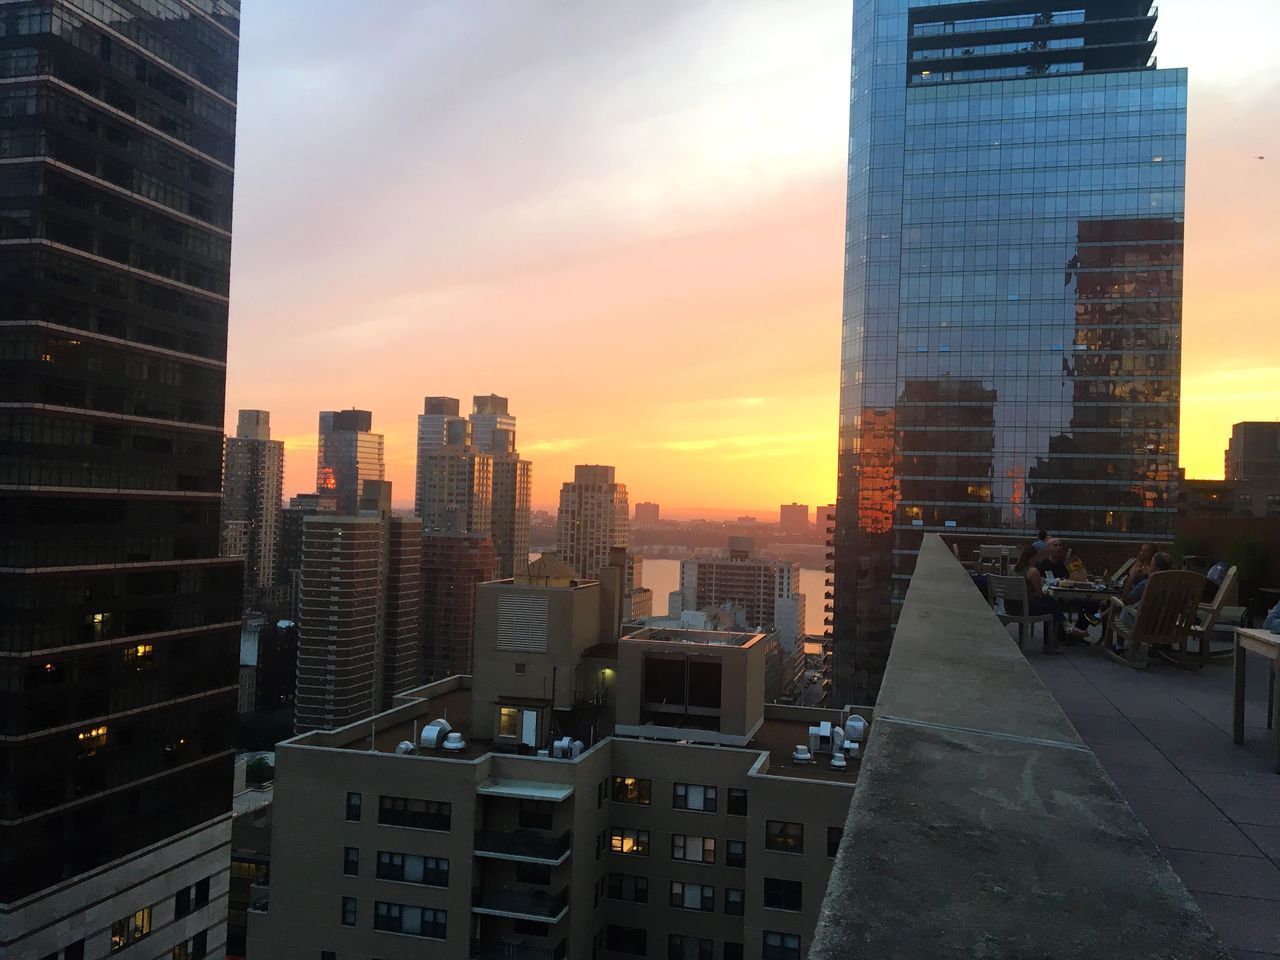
(1213, 808)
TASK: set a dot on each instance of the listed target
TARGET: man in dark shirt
(1055, 565)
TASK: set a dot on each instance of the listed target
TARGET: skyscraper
(1013, 289)
(436, 412)
(453, 565)
(593, 519)
(1253, 452)
(489, 413)
(348, 454)
(119, 620)
(455, 484)
(358, 609)
(794, 517)
(512, 493)
(252, 485)
(647, 514)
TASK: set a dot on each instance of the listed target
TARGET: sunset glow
(628, 218)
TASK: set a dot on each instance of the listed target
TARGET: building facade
(1253, 452)
(453, 566)
(647, 514)
(252, 491)
(768, 590)
(1013, 292)
(348, 455)
(593, 519)
(358, 614)
(794, 517)
(118, 620)
(581, 795)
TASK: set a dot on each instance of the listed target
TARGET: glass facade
(347, 455)
(1012, 319)
(118, 621)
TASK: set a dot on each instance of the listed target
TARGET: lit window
(92, 740)
(632, 790)
(139, 655)
(130, 929)
(633, 843)
(508, 722)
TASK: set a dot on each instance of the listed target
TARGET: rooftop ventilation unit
(404, 747)
(434, 733)
(454, 743)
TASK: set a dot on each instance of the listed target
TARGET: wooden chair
(1013, 591)
(1165, 618)
(1208, 617)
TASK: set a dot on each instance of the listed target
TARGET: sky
(628, 218)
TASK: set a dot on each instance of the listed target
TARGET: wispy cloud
(554, 445)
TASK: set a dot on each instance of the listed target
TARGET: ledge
(982, 826)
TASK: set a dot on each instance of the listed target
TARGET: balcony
(1007, 837)
(524, 846)
(537, 905)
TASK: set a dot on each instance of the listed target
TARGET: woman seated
(1042, 603)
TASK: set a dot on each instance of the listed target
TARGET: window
(693, 796)
(536, 814)
(602, 791)
(736, 854)
(74, 951)
(414, 921)
(781, 946)
(631, 842)
(631, 790)
(92, 740)
(623, 886)
(732, 951)
(693, 896)
(782, 894)
(201, 893)
(130, 929)
(353, 807)
(328, 955)
(182, 902)
(783, 836)
(833, 840)
(411, 812)
(689, 948)
(508, 722)
(535, 873)
(737, 802)
(351, 861)
(412, 868)
(693, 849)
(734, 899)
(632, 940)
(348, 911)
(139, 655)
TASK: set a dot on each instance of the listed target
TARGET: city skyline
(582, 262)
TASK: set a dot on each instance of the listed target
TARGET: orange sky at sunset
(629, 219)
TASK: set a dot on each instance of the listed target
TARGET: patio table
(1265, 644)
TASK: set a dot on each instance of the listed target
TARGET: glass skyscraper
(119, 622)
(1013, 292)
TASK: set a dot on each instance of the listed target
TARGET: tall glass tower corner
(1012, 316)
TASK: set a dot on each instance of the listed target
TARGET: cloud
(554, 445)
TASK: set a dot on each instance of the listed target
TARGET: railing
(523, 844)
(982, 825)
(534, 904)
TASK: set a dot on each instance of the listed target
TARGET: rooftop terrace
(984, 826)
(718, 638)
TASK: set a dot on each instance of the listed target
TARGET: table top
(1086, 589)
(1258, 635)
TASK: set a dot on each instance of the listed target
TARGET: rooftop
(983, 824)
(718, 638)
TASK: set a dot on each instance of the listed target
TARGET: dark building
(289, 549)
(1253, 453)
(277, 665)
(119, 622)
(453, 565)
(252, 481)
(1013, 292)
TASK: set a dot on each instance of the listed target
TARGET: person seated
(1054, 565)
(1041, 543)
(1127, 608)
(1140, 570)
(1042, 603)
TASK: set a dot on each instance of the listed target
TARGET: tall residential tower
(348, 454)
(1013, 292)
(252, 485)
(593, 519)
(118, 621)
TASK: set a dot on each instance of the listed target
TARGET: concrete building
(252, 490)
(289, 549)
(768, 589)
(512, 494)
(794, 517)
(1253, 452)
(348, 455)
(436, 413)
(358, 608)
(593, 519)
(453, 566)
(490, 414)
(647, 514)
(580, 795)
(454, 491)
